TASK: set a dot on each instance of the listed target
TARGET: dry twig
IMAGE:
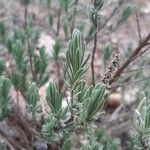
(95, 46)
(10, 141)
(130, 59)
(138, 26)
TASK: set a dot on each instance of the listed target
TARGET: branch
(138, 26)
(88, 39)
(16, 119)
(10, 140)
(72, 92)
(25, 16)
(23, 137)
(95, 46)
(74, 16)
(137, 81)
(130, 59)
(58, 22)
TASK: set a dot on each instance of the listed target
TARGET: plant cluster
(28, 69)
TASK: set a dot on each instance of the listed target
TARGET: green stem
(72, 94)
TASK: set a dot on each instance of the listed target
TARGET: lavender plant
(142, 124)
(28, 71)
(86, 101)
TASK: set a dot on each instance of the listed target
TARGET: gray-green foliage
(54, 97)
(48, 128)
(90, 100)
(30, 73)
(40, 62)
(126, 13)
(107, 51)
(3, 146)
(25, 2)
(81, 91)
(87, 100)
(99, 4)
(56, 48)
(18, 54)
(28, 58)
(2, 29)
(50, 16)
(76, 62)
(48, 4)
(30, 64)
(99, 140)
(2, 65)
(2, 32)
(67, 144)
(142, 124)
(94, 102)
(65, 4)
(32, 98)
(4, 97)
